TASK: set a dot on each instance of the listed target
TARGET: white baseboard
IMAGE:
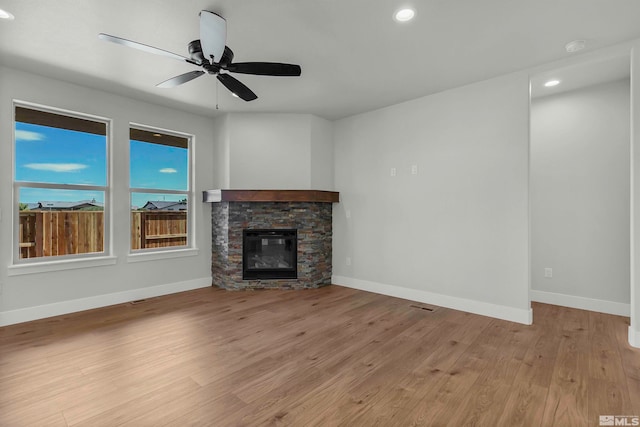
(471, 306)
(72, 306)
(582, 303)
(634, 338)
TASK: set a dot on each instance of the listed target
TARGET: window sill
(59, 265)
(163, 254)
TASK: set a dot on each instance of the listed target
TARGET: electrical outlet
(348, 261)
(393, 172)
(414, 169)
(348, 213)
(548, 272)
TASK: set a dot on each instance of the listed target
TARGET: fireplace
(269, 254)
(259, 235)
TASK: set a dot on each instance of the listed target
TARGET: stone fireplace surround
(308, 211)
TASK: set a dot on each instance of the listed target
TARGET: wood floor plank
(43, 414)
(198, 410)
(525, 406)
(141, 407)
(608, 392)
(567, 399)
(629, 356)
(327, 357)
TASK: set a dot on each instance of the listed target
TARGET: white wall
(269, 151)
(274, 151)
(580, 174)
(37, 295)
(321, 163)
(221, 155)
(455, 234)
(634, 328)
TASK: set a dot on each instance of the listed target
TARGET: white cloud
(25, 135)
(168, 170)
(56, 167)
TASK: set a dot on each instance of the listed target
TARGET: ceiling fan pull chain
(217, 84)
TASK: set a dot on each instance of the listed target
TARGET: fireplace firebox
(269, 254)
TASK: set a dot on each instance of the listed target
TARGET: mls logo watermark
(619, 420)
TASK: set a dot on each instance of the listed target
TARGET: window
(60, 184)
(159, 185)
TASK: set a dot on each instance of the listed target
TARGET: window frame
(71, 261)
(169, 251)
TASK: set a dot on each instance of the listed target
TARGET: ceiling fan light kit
(211, 53)
(6, 15)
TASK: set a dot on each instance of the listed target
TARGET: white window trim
(190, 249)
(162, 253)
(62, 262)
(59, 265)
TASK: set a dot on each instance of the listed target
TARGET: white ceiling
(354, 56)
(575, 76)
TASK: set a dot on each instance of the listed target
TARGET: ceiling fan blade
(213, 35)
(227, 58)
(236, 87)
(178, 80)
(140, 46)
(265, 68)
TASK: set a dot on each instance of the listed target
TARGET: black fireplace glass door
(269, 254)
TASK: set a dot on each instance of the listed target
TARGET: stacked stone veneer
(312, 220)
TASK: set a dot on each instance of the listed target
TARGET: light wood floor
(332, 356)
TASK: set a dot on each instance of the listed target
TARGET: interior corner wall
(269, 151)
(321, 161)
(580, 186)
(221, 154)
(434, 199)
(28, 295)
(275, 151)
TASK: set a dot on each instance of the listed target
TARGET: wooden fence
(158, 229)
(52, 233)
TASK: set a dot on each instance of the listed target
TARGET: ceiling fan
(214, 57)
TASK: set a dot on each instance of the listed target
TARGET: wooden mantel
(317, 196)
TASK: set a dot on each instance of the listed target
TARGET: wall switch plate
(348, 213)
(414, 169)
(393, 171)
(348, 261)
(548, 272)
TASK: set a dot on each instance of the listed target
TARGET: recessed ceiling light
(235, 95)
(552, 83)
(404, 15)
(575, 46)
(157, 135)
(6, 15)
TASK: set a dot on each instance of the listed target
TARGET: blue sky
(52, 155)
(158, 166)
